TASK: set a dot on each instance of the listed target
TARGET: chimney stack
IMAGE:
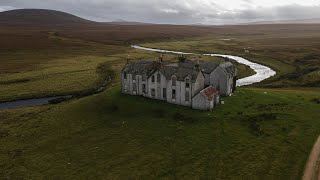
(128, 58)
(197, 66)
(161, 58)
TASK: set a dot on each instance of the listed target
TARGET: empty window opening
(187, 83)
(158, 78)
(152, 79)
(173, 94)
(187, 96)
(164, 93)
(174, 81)
(153, 92)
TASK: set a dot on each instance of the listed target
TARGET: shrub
(316, 100)
(254, 122)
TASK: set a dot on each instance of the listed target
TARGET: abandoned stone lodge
(197, 84)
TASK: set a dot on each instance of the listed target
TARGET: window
(133, 77)
(173, 94)
(187, 96)
(134, 87)
(174, 80)
(152, 79)
(187, 83)
(164, 92)
(144, 88)
(144, 77)
(158, 78)
(153, 92)
(125, 75)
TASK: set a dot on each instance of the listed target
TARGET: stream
(262, 73)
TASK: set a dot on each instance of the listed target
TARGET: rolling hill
(20, 26)
(39, 17)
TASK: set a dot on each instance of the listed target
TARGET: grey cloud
(276, 13)
(167, 11)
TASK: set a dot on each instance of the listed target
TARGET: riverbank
(57, 99)
(262, 72)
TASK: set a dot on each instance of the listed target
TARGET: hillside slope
(39, 16)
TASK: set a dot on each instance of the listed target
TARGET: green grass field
(255, 135)
(259, 133)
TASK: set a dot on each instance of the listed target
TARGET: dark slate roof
(229, 68)
(140, 67)
(206, 67)
(181, 69)
(180, 73)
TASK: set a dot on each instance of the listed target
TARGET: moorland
(263, 131)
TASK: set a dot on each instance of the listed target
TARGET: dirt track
(312, 168)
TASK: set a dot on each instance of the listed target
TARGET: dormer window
(174, 80)
(187, 83)
(158, 78)
(125, 75)
(152, 79)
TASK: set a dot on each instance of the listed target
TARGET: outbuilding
(206, 99)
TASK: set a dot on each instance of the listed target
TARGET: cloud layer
(178, 11)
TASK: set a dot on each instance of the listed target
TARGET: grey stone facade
(190, 83)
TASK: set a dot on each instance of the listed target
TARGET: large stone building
(196, 84)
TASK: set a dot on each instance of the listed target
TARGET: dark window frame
(125, 75)
(174, 80)
(152, 79)
(174, 94)
(158, 78)
(144, 88)
(153, 92)
(188, 83)
(187, 96)
(134, 87)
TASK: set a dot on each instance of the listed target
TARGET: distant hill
(295, 21)
(124, 22)
(39, 16)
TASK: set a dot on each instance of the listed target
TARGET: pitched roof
(140, 67)
(228, 67)
(180, 73)
(181, 69)
(206, 67)
(209, 93)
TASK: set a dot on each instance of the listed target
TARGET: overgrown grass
(254, 135)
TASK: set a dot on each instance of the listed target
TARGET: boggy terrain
(264, 131)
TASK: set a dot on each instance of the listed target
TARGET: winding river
(262, 73)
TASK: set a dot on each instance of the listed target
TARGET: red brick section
(209, 92)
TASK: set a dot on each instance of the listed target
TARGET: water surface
(261, 72)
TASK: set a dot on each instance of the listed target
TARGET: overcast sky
(177, 11)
